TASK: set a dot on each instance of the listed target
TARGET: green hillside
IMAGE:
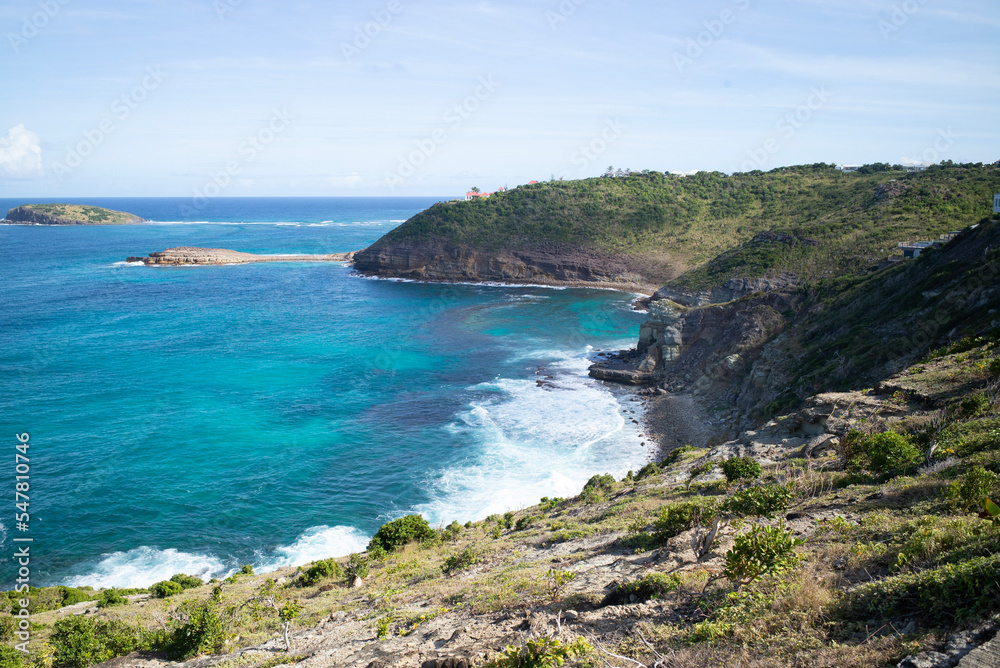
(826, 221)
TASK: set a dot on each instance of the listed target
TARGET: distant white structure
(996, 203)
(850, 168)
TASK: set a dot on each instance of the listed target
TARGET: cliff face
(773, 344)
(544, 264)
(69, 214)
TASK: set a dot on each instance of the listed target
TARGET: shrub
(675, 518)
(597, 488)
(397, 533)
(674, 455)
(8, 626)
(947, 595)
(508, 520)
(80, 641)
(973, 406)
(357, 567)
(524, 522)
(645, 588)
(453, 531)
(246, 569)
(648, 470)
(973, 490)
(111, 597)
(188, 581)
(741, 468)
(888, 452)
(202, 634)
(460, 561)
(320, 570)
(759, 501)
(10, 657)
(760, 551)
(544, 652)
(165, 588)
(994, 367)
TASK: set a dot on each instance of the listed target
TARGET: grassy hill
(70, 214)
(706, 226)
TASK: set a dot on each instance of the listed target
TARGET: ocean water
(192, 419)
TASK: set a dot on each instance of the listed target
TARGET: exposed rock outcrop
(734, 288)
(545, 264)
(189, 255)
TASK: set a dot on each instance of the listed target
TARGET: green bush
(741, 468)
(645, 588)
(8, 626)
(320, 570)
(10, 657)
(994, 367)
(675, 518)
(973, 406)
(597, 488)
(461, 561)
(973, 490)
(186, 581)
(453, 531)
(111, 597)
(759, 501)
(357, 567)
(544, 652)
(761, 551)
(165, 588)
(397, 533)
(887, 453)
(949, 594)
(80, 641)
(246, 569)
(202, 634)
(524, 522)
(648, 470)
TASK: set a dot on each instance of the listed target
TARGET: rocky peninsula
(69, 214)
(191, 255)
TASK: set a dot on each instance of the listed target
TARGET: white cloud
(352, 180)
(21, 153)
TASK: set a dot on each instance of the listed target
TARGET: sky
(399, 97)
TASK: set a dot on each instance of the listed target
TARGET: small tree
(267, 595)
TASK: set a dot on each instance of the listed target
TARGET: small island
(190, 255)
(69, 214)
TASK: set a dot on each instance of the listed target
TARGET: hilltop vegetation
(820, 221)
(69, 214)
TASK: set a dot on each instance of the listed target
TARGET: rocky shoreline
(529, 265)
(190, 255)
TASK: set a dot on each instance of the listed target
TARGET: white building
(996, 203)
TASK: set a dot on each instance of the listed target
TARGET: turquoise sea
(192, 419)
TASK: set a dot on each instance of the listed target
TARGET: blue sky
(398, 97)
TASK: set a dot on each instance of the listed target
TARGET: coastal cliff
(543, 264)
(69, 214)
